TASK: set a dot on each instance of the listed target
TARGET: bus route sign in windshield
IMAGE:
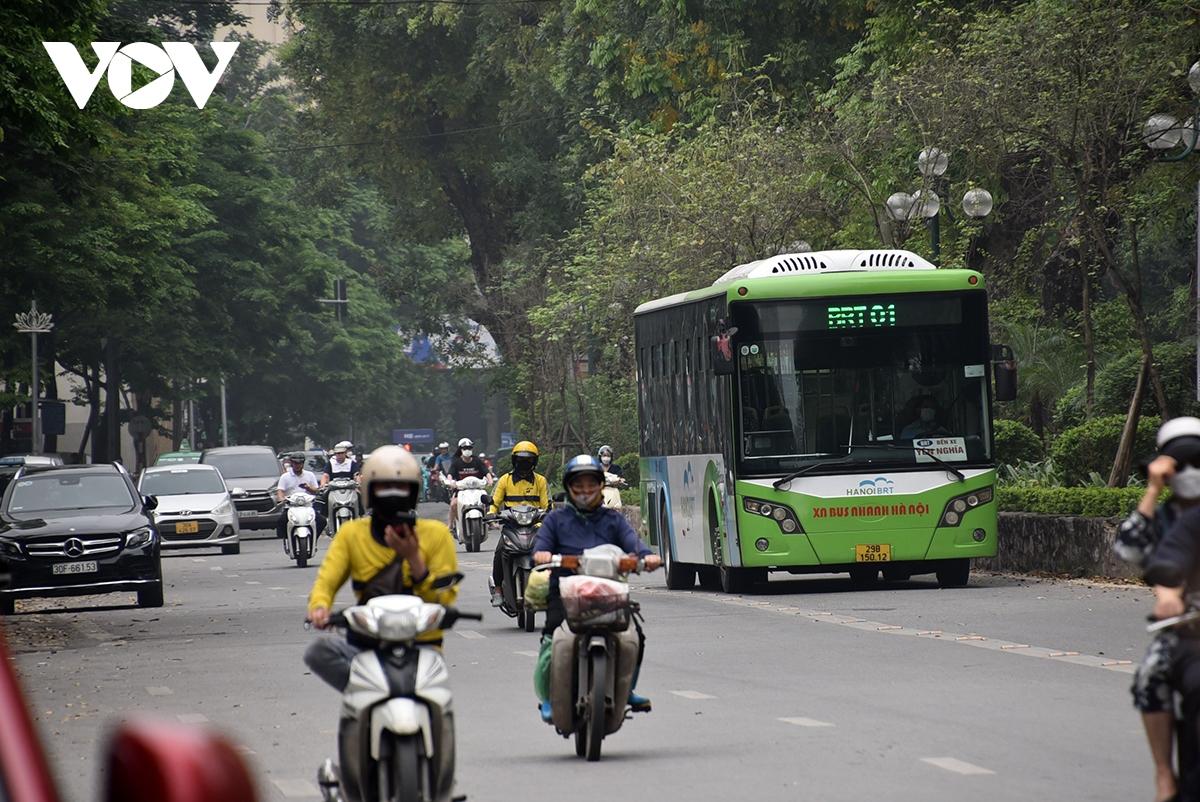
(861, 316)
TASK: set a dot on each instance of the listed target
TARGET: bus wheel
(710, 577)
(954, 573)
(735, 580)
(863, 577)
(680, 576)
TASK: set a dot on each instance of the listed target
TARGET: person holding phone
(390, 550)
(298, 478)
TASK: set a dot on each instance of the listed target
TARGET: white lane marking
(215, 568)
(693, 695)
(957, 766)
(199, 560)
(800, 721)
(470, 634)
(527, 654)
(295, 788)
(276, 588)
(159, 690)
(192, 718)
(234, 576)
(963, 639)
(253, 582)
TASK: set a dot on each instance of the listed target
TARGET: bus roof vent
(817, 262)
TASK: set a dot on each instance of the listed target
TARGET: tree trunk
(1124, 458)
(1089, 341)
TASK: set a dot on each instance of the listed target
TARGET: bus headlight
(783, 515)
(955, 508)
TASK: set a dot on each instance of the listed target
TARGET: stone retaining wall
(1057, 544)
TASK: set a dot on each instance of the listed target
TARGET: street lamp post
(1174, 140)
(924, 204)
(34, 323)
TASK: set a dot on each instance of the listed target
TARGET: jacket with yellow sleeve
(356, 556)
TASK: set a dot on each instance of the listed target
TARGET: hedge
(1016, 443)
(1094, 502)
(1092, 446)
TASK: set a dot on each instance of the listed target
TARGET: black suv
(251, 473)
(73, 530)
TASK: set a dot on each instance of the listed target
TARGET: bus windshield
(907, 372)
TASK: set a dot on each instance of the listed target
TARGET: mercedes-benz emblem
(73, 547)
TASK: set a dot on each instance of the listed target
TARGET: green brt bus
(820, 412)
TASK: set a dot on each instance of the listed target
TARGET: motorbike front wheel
(596, 713)
(474, 533)
(403, 769)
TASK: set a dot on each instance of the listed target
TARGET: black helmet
(580, 465)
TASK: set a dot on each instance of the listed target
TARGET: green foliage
(1044, 473)
(631, 469)
(1016, 443)
(1091, 446)
(1101, 502)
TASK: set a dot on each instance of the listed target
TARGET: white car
(194, 508)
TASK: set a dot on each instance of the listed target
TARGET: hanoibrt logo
(117, 61)
(879, 486)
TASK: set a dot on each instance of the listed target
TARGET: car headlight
(139, 537)
(9, 548)
(956, 507)
(224, 507)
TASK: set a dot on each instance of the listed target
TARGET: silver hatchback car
(194, 508)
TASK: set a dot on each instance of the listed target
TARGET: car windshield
(242, 466)
(68, 491)
(907, 374)
(181, 482)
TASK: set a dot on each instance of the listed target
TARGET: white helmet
(443, 444)
(390, 464)
(1176, 428)
(465, 443)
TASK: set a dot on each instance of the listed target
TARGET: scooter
(342, 504)
(595, 653)
(396, 731)
(518, 526)
(612, 490)
(473, 502)
(1187, 749)
(301, 534)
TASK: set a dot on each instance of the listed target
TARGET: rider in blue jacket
(583, 522)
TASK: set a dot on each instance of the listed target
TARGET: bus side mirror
(724, 361)
(1004, 369)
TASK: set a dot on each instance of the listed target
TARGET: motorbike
(518, 526)
(473, 502)
(612, 490)
(341, 503)
(1187, 749)
(595, 653)
(301, 533)
(396, 730)
(437, 486)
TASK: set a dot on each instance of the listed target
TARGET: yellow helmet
(525, 448)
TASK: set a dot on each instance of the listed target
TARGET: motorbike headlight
(224, 507)
(524, 518)
(139, 537)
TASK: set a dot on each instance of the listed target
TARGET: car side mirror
(1004, 371)
(238, 492)
(150, 502)
(449, 580)
(486, 499)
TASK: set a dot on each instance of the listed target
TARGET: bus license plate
(87, 567)
(873, 553)
(187, 527)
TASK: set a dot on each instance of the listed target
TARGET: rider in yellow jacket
(521, 485)
(389, 489)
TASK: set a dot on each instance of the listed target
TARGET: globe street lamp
(1174, 140)
(924, 204)
(34, 323)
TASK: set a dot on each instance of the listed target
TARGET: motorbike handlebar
(626, 565)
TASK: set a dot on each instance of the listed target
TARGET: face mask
(390, 506)
(467, 453)
(606, 459)
(1186, 483)
(927, 415)
(585, 501)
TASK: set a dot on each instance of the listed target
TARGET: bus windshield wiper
(778, 483)
(962, 477)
